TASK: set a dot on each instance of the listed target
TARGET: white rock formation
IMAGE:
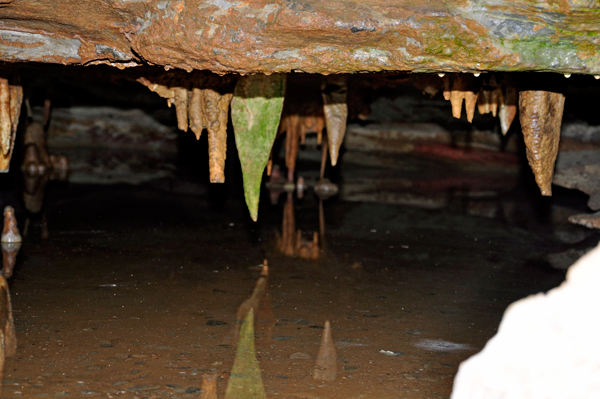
(547, 345)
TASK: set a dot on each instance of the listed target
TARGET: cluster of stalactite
(259, 115)
(202, 101)
(540, 111)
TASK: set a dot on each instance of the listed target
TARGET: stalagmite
(255, 113)
(245, 380)
(463, 87)
(216, 111)
(508, 105)
(10, 233)
(541, 116)
(334, 90)
(326, 368)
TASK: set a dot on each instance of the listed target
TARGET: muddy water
(137, 293)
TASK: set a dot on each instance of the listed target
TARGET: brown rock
(541, 117)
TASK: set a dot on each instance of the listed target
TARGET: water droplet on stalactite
(334, 90)
(541, 117)
(255, 113)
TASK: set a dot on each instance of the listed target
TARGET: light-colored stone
(547, 345)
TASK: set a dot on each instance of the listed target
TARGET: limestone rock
(547, 344)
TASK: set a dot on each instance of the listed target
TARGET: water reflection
(38, 168)
(245, 380)
(8, 338)
(10, 241)
(326, 367)
(260, 304)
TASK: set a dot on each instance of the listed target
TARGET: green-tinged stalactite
(255, 112)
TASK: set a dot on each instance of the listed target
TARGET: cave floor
(136, 292)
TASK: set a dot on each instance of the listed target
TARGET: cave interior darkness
(135, 274)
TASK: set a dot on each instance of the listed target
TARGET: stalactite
(463, 86)
(180, 99)
(11, 98)
(196, 112)
(334, 90)
(291, 144)
(216, 111)
(490, 97)
(508, 105)
(255, 113)
(541, 116)
(5, 116)
(201, 101)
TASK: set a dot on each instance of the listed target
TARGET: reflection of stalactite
(10, 233)
(260, 303)
(326, 367)
(245, 380)
(292, 242)
(8, 338)
(209, 386)
(9, 257)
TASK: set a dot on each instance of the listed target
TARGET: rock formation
(546, 346)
